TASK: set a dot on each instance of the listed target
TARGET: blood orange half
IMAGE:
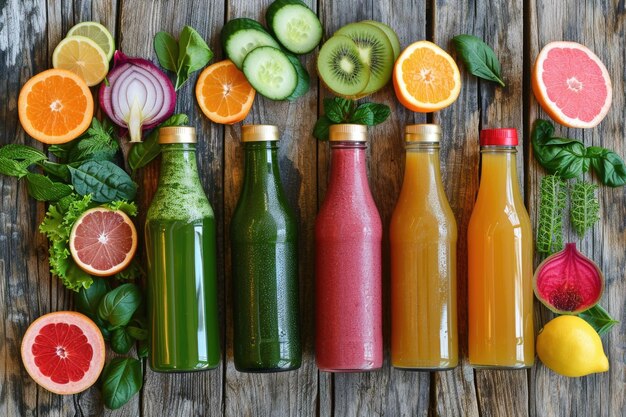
(103, 241)
(571, 84)
(63, 352)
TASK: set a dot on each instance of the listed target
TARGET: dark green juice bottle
(264, 256)
(180, 243)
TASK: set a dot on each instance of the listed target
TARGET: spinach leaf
(121, 341)
(166, 49)
(118, 306)
(143, 152)
(87, 300)
(42, 188)
(609, 167)
(479, 58)
(599, 319)
(193, 54)
(104, 180)
(121, 379)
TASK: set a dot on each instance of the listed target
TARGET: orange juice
(500, 270)
(423, 261)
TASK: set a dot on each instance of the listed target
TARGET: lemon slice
(83, 57)
(97, 33)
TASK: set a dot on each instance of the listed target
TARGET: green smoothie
(182, 282)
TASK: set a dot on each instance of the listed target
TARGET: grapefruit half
(63, 352)
(571, 84)
(103, 241)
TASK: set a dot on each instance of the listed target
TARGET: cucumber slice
(303, 78)
(242, 35)
(270, 72)
(296, 26)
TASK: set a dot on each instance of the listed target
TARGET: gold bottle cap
(422, 133)
(259, 133)
(348, 132)
(177, 134)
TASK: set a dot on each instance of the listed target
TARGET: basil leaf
(599, 319)
(379, 112)
(143, 152)
(137, 333)
(193, 54)
(87, 300)
(121, 380)
(608, 166)
(166, 49)
(118, 306)
(142, 349)
(106, 334)
(104, 180)
(561, 156)
(320, 130)
(121, 341)
(42, 188)
(478, 57)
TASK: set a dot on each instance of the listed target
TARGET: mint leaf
(166, 49)
(363, 116)
(12, 168)
(339, 110)
(380, 112)
(22, 153)
(320, 130)
(599, 319)
(42, 188)
(478, 57)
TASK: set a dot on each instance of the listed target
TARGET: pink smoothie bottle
(348, 235)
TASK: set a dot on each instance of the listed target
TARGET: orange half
(426, 78)
(55, 106)
(223, 93)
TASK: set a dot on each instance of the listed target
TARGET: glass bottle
(423, 237)
(500, 264)
(264, 253)
(348, 234)
(180, 245)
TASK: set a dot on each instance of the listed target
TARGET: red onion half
(138, 95)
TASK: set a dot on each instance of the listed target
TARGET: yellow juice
(500, 270)
(423, 239)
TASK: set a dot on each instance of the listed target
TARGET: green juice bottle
(264, 256)
(180, 244)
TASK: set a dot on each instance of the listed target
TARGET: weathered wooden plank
(192, 394)
(599, 26)
(388, 391)
(291, 393)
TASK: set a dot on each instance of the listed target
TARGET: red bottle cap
(498, 137)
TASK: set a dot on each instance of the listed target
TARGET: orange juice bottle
(423, 261)
(500, 268)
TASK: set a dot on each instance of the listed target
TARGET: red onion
(138, 95)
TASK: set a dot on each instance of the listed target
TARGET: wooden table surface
(516, 29)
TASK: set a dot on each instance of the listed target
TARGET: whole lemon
(570, 346)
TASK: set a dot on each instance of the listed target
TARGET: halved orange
(426, 78)
(55, 106)
(223, 93)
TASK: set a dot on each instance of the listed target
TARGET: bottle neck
(348, 166)
(422, 164)
(179, 166)
(261, 173)
(499, 170)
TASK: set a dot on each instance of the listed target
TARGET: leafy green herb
(599, 319)
(60, 171)
(121, 380)
(143, 152)
(341, 110)
(478, 57)
(118, 306)
(187, 55)
(584, 206)
(142, 349)
(23, 155)
(568, 158)
(121, 341)
(42, 188)
(104, 181)
(87, 300)
(131, 272)
(551, 206)
(137, 333)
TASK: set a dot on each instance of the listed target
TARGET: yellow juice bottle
(500, 269)
(423, 239)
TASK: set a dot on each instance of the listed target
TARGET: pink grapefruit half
(63, 352)
(103, 241)
(571, 84)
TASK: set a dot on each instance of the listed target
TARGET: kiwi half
(391, 34)
(340, 67)
(375, 50)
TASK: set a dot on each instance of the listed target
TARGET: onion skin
(138, 95)
(567, 282)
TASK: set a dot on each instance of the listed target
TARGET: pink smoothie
(348, 234)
